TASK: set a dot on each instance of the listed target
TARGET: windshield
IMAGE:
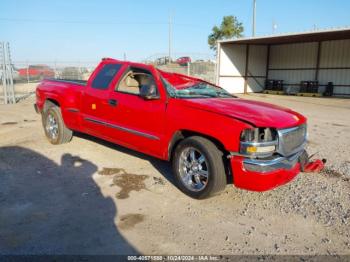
(181, 86)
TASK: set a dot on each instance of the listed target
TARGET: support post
(55, 69)
(217, 66)
(27, 66)
(254, 17)
(3, 71)
(318, 60)
(246, 69)
(10, 74)
(267, 62)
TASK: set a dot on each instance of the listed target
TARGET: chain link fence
(205, 70)
(27, 74)
(198, 65)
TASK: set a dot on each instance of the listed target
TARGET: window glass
(105, 76)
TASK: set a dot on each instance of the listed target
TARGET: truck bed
(70, 81)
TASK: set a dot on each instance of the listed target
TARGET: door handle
(112, 102)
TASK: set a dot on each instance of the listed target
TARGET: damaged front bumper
(263, 166)
(265, 174)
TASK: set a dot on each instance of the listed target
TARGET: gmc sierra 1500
(211, 137)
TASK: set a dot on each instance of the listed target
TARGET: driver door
(140, 122)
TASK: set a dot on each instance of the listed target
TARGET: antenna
(274, 27)
(254, 17)
(170, 35)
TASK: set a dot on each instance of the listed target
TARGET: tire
(53, 113)
(185, 169)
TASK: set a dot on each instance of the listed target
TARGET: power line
(90, 22)
(74, 21)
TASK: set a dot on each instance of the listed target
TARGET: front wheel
(55, 129)
(199, 168)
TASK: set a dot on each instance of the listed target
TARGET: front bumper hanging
(263, 166)
(266, 174)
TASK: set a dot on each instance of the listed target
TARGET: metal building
(324, 56)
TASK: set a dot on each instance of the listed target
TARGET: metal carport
(324, 56)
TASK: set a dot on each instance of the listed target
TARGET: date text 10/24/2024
(174, 258)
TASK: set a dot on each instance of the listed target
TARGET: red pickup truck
(34, 72)
(211, 137)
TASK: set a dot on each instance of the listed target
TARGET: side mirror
(149, 92)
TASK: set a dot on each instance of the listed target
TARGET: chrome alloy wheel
(193, 169)
(51, 126)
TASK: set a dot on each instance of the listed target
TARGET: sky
(87, 30)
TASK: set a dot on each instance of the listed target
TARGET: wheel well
(182, 134)
(53, 101)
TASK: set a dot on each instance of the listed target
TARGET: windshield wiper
(224, 94)
(191, 95)
(201, 94)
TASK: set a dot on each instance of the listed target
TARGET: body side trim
(132, 131)
(73, 110)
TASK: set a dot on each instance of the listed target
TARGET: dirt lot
(92, 197)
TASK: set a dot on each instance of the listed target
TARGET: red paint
(257, 113)
(220, 118)
(260, 181)
(183, 61)
(314, 166)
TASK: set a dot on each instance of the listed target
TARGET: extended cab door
(140, 123)
(95, 102)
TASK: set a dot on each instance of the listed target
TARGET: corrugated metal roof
(312, 36)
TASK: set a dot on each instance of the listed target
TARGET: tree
(230, 27)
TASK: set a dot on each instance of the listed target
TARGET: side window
(105, 76)
(133, 80)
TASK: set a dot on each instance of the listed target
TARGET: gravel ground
(92, 197)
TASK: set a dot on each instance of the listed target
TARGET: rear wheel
(198, 167)
(55, 129)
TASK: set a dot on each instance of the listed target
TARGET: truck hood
(256, 113)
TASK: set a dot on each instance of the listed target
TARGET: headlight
(258, 142)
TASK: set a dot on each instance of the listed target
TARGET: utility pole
(170, 36)
(27, 71)
(55, 68)
(254, 17)
(6, 73)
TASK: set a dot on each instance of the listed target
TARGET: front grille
(290, 140)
